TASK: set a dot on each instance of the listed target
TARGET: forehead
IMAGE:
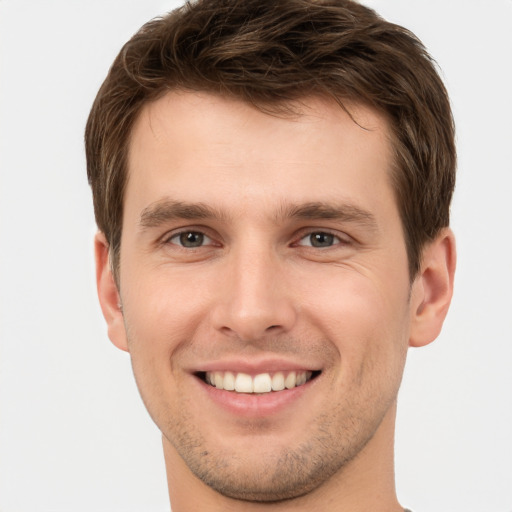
(180, 112)
(196, 144)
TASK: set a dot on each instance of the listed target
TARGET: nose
(253, 299)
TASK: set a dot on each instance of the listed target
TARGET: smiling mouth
(239, 382)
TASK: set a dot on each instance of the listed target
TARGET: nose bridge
(254, 301)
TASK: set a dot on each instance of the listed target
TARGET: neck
(365, 483)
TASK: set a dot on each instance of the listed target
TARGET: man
(272, 183)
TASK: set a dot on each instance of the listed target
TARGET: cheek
(162, 306)
(161, 316)
(367, 319)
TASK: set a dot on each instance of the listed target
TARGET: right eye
(190, 239)
(321, 240)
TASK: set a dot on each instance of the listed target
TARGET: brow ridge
(166, 210)
(330, 211)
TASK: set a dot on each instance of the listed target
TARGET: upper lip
(254, 366)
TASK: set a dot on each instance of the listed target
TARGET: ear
(432, 289)
(108, 294)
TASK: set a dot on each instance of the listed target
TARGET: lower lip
(254, 405)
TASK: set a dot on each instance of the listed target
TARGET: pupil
(322, 239)
(191, 239)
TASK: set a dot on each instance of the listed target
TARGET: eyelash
(335, 239)
(187, 232)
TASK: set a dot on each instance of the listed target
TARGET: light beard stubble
(337, 437)
(290, 474)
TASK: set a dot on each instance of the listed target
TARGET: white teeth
(243, 383)
(261, 383)
(290, 381)
(229, 381)
(278, 382)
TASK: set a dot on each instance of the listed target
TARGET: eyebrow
(346, 212)
(166, 210)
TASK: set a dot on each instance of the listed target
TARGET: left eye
(190, 239)
(319, 239)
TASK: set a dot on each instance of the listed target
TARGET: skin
(257, 291)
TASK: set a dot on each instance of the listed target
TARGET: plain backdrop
(74, 435)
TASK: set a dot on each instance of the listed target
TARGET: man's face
(260, 251)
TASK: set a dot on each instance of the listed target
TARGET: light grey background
(74, 436)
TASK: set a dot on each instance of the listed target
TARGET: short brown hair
(270, 53)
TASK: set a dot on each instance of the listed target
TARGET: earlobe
(108, 293)
(432, 289)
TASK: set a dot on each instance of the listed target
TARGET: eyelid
(169, 235)
(206, 239)
(342, 238)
